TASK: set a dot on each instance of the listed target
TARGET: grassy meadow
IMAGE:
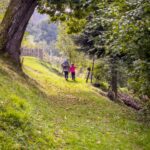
(43, 111)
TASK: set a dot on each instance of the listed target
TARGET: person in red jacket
(72, 70)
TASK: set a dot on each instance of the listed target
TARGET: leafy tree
(66, 45)
(120, 30)
(129, 35)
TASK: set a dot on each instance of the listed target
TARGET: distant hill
(39, 26)
(41, 29)
(37, 18)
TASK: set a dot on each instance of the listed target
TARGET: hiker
(72, 70)
(65, 65)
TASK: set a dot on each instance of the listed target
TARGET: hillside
(41, 29)
(41, 33)
(46, 112)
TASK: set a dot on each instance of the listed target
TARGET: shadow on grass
(46, 65)
(57, 72)
(72, 81)
(49, 67)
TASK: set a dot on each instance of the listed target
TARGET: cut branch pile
(129, 101)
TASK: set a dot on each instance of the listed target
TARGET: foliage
(71, 12)
(130, 35)
(120, 29)
(101, 70)
(67, 46)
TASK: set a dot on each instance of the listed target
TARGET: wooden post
(88, 74)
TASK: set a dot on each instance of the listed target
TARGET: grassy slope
(65, 115)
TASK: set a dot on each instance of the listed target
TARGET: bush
(104, 86)
(101, 85)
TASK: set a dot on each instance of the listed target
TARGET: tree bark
(114, 77)
(88, 74)
(14, 25)
(93, 64)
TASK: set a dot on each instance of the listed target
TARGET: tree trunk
(14, 25)
(114, 77)
(93, 64)
(88, 74)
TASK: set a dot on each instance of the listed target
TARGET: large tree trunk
(14, 25)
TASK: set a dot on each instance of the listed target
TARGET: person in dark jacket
(65, 65)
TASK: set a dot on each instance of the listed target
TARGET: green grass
(49, 113)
